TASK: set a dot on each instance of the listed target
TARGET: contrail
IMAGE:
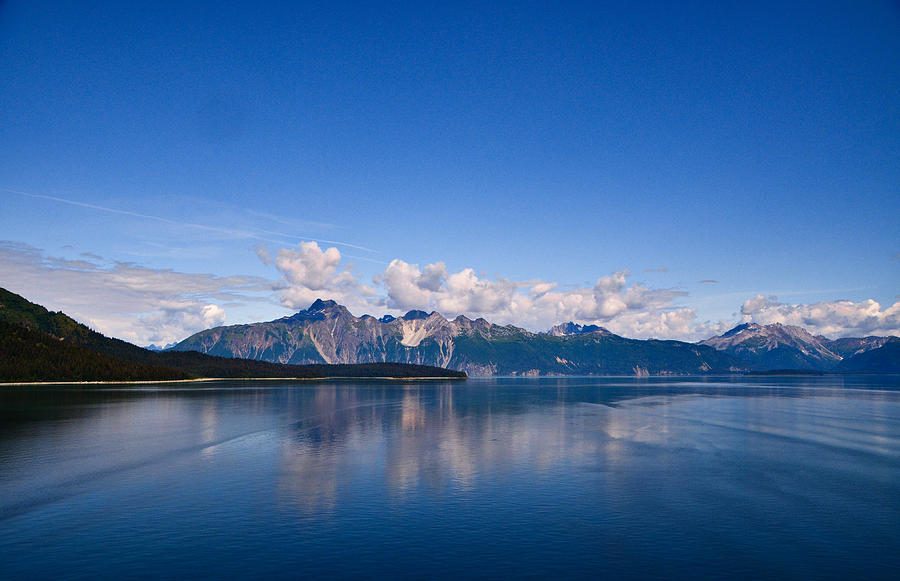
(229, 231)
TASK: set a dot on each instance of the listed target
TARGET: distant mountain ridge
(39, 345)
(779, 346)
(576, 329)
(327, 332)
(884, 359)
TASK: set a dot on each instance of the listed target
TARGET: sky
(662, 169)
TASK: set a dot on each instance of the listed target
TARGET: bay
(656, 478)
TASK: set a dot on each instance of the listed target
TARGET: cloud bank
(631, 309)
(832, 319)
(627, 308)
(124, 300)
(145, 305)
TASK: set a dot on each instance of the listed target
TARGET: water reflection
(529, 477)
(442, 439)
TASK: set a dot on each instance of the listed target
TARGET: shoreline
(212, 379)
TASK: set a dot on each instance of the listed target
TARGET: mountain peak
(742, 327)
(572, 328)
(415, 314)
(776, 346)
(322, 305)
(318, 311)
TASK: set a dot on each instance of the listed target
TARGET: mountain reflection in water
(648, 477)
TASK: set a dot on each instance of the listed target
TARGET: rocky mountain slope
(779, 346)
(884, 359)
(328, 333)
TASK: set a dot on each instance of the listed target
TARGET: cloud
(176, 316)
(660, 269)
(708, 281)
(309, 273)
(832, 319)
(630, 309)
(408, 287)
(263, 253)
(146, 305)
(237, 233)
(124, 300)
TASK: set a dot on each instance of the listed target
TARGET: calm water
(577, 477)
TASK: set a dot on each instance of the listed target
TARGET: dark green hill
(40, 345)
(29, 355)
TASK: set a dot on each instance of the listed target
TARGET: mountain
(39, 345)
(30, 355)
(155, 347)
(884, 359)
(327, 332)
(575, 329)
(850, 346)
(778, 346)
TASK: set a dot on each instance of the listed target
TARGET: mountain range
(327, 332)
(40, 345)
(780, 346)
(327, 340)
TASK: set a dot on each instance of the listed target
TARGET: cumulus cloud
(124, 300)
(630, 309)
(408, 287)
(832, 319)
(309, 273)
(433, 288)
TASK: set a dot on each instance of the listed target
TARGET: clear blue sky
(756, 145)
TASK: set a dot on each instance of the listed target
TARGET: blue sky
(662, 169)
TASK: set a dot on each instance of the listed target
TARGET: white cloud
(632, 310)
(832, 319)
(464, 292)
(309, 273)
(309, 267)
(542, 288)
(409, 288)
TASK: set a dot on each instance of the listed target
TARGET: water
(489, 478)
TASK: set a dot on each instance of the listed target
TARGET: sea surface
(619, 478)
